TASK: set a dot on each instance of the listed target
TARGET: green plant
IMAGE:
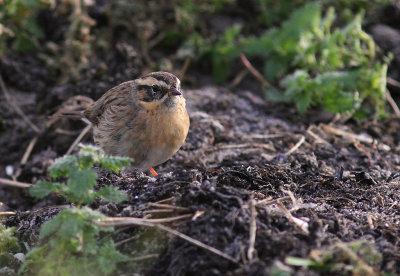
(320, 65)
(70, 243)
(355, 258)
(8, 245)
(81, 177)
(19, 26)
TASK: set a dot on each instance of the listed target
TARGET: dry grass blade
(297, 146)
(196, 242)
(168, 206)
(16, 107)
(28, 151)
(352, 136)
(254, 71)
(7, 213)
(317, 139)
(268, 201)
(78, 139)
(14, 183)
(242, 146)
(251, 252)
(393, 82)
(392, 103)
(120, 221)
(156, 223)
(301, 224)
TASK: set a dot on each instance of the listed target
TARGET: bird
(145, 119)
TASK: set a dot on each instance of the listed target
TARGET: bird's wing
(119, 95)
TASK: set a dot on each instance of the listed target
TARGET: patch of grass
(19, 29)
(70, 243)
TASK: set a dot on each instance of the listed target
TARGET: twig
(266, 202)
(158, 211)
(184, 68)
(78, 139)
(251, 252)
(393, 82)
(14, 183)
(392, 103)
(352, 136)
(196, 242)
(317, 139)
(121, 221)
(298, 144)
(254, 71)
(165, 200)
(301, 224)
(241, 146)
(28, 150)
(16, 107)
(239, 78)
(168, 206)
(7, 213)
(151, 223)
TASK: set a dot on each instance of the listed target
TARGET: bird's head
(159, 90)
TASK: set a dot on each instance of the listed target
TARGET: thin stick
(150, 223)
(158, 211)
(196, 242)
(78, 139)
(352, 136)
(7, 213)
(184, 68)
(168, 206)
(165, 200)
(16, 107)
(251, 252)
(239, 78)
(254, 71)
(392, 103)
(266, 202)
(393, 82)
(28, 151)
(14, 183)
(241, 146)
(302, 225)
(298, 144)
(317, 139)
(119, 221)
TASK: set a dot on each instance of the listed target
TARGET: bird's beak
(174, 92)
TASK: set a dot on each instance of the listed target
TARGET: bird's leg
(153, 171)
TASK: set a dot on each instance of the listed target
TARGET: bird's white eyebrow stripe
(149, 81)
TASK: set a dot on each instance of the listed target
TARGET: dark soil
(240, 151)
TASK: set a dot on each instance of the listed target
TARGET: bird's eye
(156, 88)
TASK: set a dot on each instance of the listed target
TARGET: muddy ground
(309, 185)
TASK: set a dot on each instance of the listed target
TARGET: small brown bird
(145, 119)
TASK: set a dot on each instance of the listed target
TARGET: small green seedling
(70, 244)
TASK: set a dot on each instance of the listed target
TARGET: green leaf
(43, 188)
(111, 194)
(109, 257)
(80, 185)
(62, 166)
(114, 163)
